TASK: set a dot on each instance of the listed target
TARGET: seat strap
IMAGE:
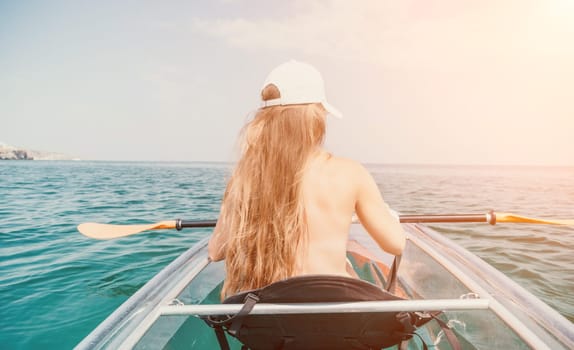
(406, 320)
(392, 280)
(221, 338)
(237, 320)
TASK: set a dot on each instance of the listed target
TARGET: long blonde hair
(263, 211)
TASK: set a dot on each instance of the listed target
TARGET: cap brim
(332, 110)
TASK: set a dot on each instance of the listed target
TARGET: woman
(288, 206)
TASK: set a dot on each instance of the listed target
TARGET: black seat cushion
(372, 330)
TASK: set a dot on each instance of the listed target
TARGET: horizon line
(368, 163)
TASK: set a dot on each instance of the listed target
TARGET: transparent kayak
(485, 308)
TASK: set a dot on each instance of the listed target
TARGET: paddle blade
(109, 231)
(507, 217)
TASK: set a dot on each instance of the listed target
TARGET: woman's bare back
(333, 189)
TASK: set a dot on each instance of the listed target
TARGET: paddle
(109, 231)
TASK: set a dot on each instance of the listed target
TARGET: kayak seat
(372, 330)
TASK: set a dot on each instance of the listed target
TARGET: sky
(418, 81)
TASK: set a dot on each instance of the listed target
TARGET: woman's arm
(375, 215)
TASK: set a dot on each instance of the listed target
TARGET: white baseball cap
(298, 83)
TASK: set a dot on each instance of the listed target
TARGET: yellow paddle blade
(109, 231)
(507, 217)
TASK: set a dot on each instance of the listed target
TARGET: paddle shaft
(488, 217)
(179, 224)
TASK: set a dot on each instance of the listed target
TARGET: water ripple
(57, 285)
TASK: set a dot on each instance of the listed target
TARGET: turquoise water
(56, 285)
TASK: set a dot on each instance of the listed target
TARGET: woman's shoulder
(345, 162)
(349, 167)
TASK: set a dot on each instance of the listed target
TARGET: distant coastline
(8, 152)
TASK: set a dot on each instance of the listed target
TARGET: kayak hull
(485, 308)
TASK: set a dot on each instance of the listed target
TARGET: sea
(57, 285)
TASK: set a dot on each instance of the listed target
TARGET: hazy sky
(419, 81)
